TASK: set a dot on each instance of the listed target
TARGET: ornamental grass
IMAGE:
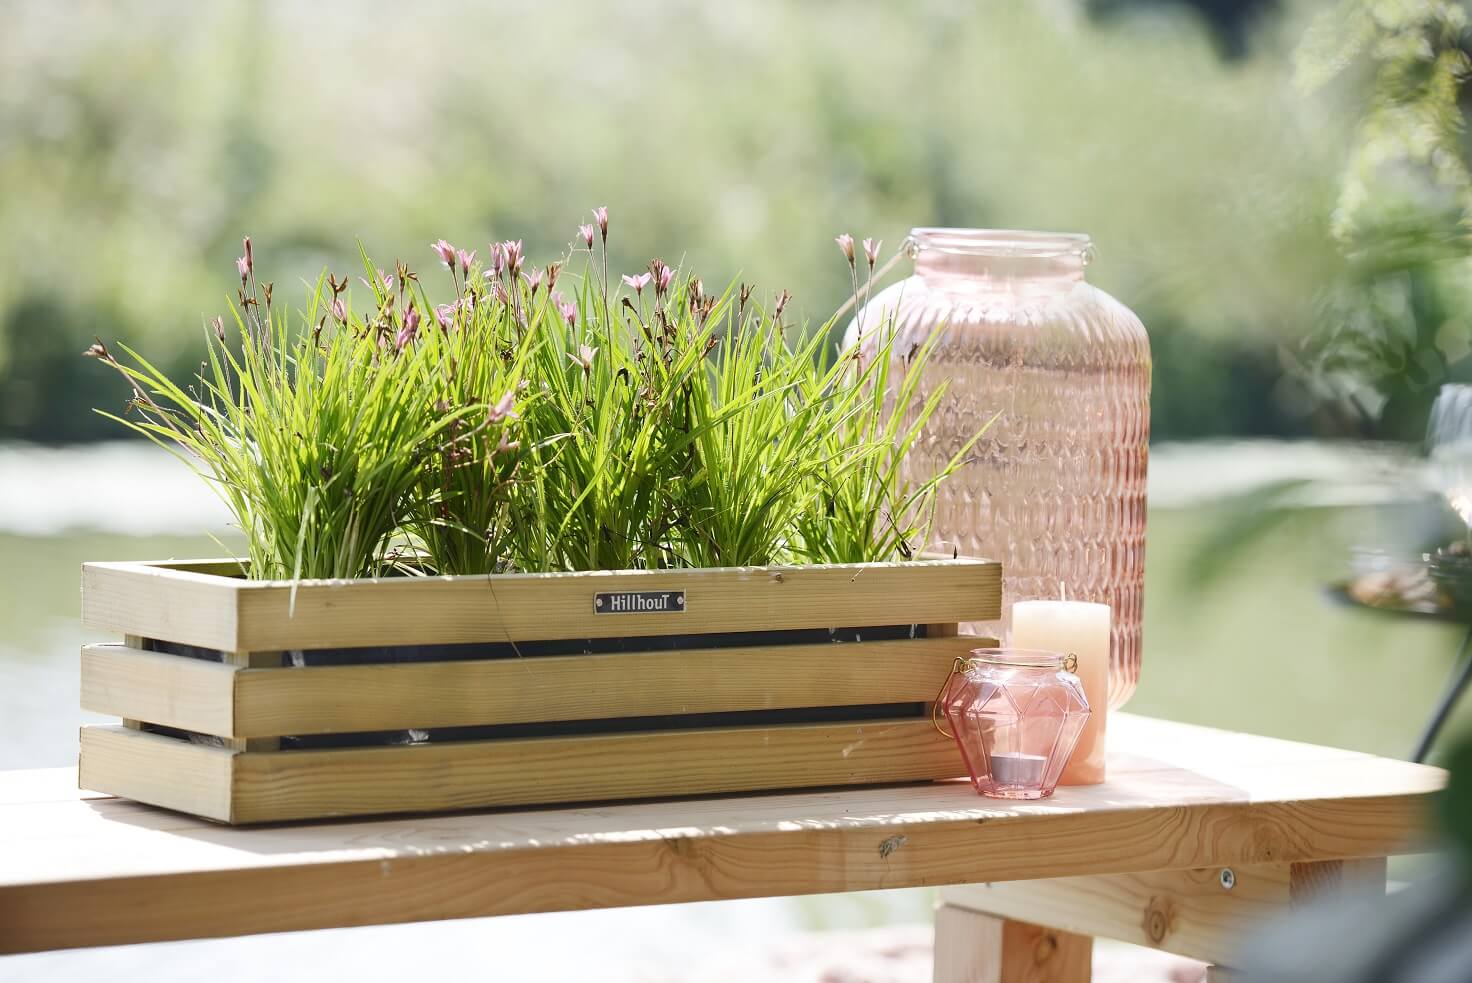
(542, 419)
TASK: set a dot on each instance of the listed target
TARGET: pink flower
(569, 312)
(339, 310)
(242, 266)
(445, 315)
(662, 277)
(637, 282)
(501, 294)
(466, 258)
(503, 410)
(514, 255)
(507, 446)
(871, 250)
(584, 357)
(446, 253)
(533, 280)
(846, 245)
(410, 329)
(600, 215)
(586, 231)
(385, 280)
(498, 259)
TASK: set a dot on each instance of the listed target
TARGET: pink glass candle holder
(1016, 715)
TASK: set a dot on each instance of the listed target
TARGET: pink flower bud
(218, 324)
(498, 259)
(444, 314)
(242, 266)
(846, 246)
(662, 277)
(446, 253)
(339, 310)
(250, 257)
(503, 410)
(514, 255)
(586, 231)
(871, 251)
(569, 312)
(600, 215)
(466, 258)
(410, 329)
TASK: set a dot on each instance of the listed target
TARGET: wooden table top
(77, 869)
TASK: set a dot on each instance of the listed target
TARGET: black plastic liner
(562, 646)
(572, 728)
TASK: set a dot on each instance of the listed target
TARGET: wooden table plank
(79, 872)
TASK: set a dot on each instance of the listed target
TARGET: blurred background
(1279, 188)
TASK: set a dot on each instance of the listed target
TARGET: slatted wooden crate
(255, 701)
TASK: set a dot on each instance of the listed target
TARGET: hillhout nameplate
(640, 602)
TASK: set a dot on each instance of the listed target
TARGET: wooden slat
(236, 615)
(105, 871)
(190, 694)
(274, 786)
(337, 699)
(1186, 912)
(157, 770)
(157, 601)
(482, 774)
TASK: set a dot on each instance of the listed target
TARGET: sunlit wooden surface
(79, 870)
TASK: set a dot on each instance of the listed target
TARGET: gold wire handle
(956, 667)
(1070, 664)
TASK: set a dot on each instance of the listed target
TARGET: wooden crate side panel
(427, 778)
(519, 607)
(156, 770)
(161, 689)
(156, 601)
(340, 699)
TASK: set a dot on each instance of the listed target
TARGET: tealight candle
(1010, 768)
(1081, 629)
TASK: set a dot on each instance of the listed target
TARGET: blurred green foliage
(1397, 323)
(138, 143)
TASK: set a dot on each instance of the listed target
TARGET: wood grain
(1186, 912)
(157, 601)
(105, 871)
(156, 770)
(181, 605)
(337, 699)
(968, 946)
(273, 787)
(190, 694)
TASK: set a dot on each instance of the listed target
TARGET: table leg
(971, 947)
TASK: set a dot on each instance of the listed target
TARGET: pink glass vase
(1056, 487)
(1016, 715)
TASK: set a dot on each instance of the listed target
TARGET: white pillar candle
(1081, 629)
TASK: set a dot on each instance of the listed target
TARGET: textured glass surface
(1056, 487)
(1016, 723)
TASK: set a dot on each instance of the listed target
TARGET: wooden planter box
(255, 701)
